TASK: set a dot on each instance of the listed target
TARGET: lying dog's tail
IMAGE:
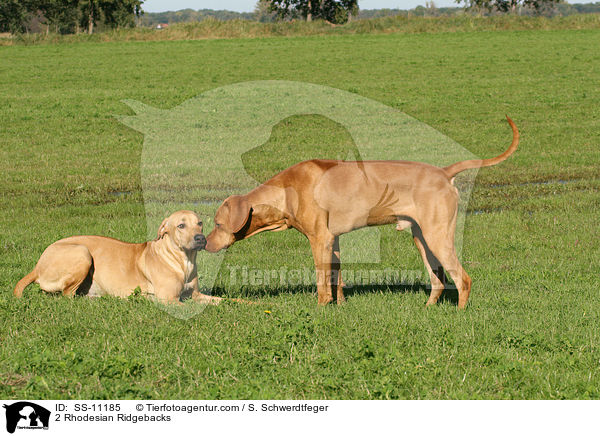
(456, 168)
(24, 282)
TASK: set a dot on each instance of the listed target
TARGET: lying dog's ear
(162, 229)
(239, 212)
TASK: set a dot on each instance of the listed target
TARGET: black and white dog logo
(26, 415)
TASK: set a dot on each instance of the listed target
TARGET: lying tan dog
(326, 198)
(95, 265)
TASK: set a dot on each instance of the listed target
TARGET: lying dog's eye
(181, 226)
(200, 223)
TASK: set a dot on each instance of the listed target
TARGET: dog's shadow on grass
(449, 295)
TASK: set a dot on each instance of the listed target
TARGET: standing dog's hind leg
(435, 270)
(442, 247)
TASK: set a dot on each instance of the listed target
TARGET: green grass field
(531, 243)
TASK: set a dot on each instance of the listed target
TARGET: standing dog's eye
(181, 226)
(200, 223)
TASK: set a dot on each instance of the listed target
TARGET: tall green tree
(13, 15)
(334, 11)
(59, 15)
(120, 13)
(111, 13)
(67, 16)
(263, 12)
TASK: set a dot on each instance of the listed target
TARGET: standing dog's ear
(162, 229)
(239, 212)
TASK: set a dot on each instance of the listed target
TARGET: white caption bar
(149, 417)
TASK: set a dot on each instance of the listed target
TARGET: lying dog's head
(230, 221)
(185, 230)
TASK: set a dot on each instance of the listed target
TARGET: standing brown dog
(164, 268)
(326, 198)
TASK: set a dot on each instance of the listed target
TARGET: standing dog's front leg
(322, 249)
(336, 270)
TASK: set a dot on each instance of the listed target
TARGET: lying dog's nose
(200, 239)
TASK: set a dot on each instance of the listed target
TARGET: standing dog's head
(185, 230)
(231, 220)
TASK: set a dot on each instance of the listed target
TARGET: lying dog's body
(326, 198)
(95, 265)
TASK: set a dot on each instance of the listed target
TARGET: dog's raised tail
(24, 282)
(458, 167)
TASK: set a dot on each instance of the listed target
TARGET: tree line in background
(514, 6)
(67, 16)
(74, 16)
(263, 12)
